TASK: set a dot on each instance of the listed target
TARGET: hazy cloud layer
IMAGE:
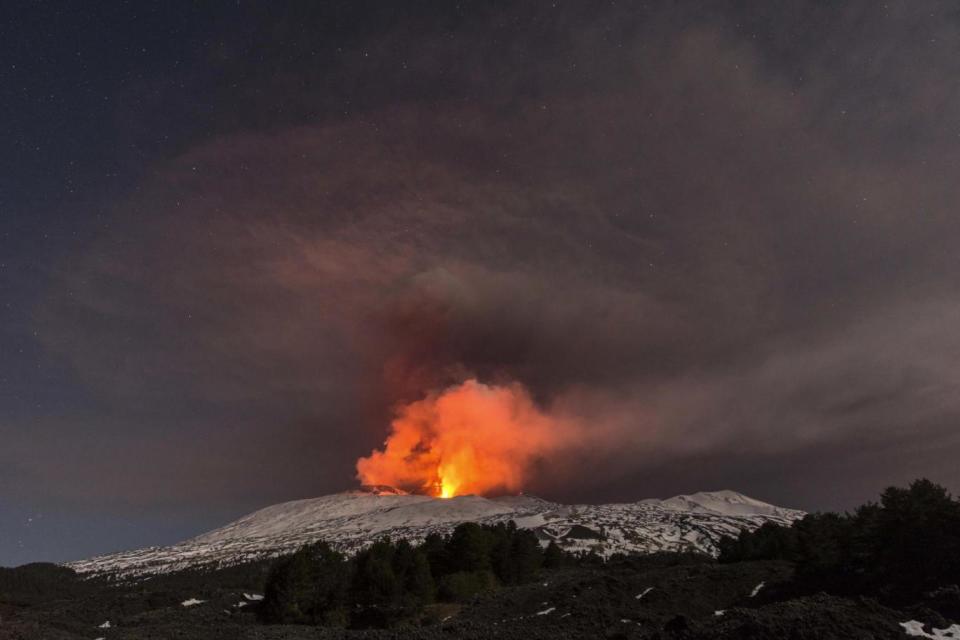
(726, 243)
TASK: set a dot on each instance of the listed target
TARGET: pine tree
(413, 571)
(469, 548)
(309, 587)
(501, 552)
(375, 582)
(553, 556)
(435, 548)
(527, 556)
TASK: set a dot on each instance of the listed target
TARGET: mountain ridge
(352, 519)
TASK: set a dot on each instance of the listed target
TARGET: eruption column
(471, 438)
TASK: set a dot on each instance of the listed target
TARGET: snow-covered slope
(354, 519)
(726, 503)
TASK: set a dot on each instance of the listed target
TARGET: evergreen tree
(526, 556)
(375, 582)
(769, 542)
(309, 587)
(435, 548)
(469, 548)
(917, 537)
(906, 545)
(501, 552)
(412, 569)
(554, 557)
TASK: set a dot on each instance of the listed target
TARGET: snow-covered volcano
(353, 519)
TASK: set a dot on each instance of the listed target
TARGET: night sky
(234, 235)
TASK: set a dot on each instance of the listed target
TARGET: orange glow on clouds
(471, 438)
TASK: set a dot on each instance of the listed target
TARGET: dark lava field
(660, 596)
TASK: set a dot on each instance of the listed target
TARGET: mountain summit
(353, 519)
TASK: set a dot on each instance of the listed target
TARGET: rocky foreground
(665, 596)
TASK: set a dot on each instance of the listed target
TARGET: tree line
(390, 581)
(897, 549)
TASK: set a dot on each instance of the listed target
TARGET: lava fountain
(470, 438)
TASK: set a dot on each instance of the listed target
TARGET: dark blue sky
(91, 99)
(234, 235)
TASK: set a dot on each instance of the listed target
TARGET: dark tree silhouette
(388, 582)
(309, 587)
(898, 549)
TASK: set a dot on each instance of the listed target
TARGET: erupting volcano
(471, 438)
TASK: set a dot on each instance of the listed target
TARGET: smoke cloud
(471, 438)
(648, 252)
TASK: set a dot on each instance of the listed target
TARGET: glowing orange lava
(471, 438)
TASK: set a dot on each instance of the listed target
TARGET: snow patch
(727, 503)
(915, 628)
(756, 589)
(253, 597)
(105, 625)
(643, 593)
(191, 602)
(719, 612)
(546, 611)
